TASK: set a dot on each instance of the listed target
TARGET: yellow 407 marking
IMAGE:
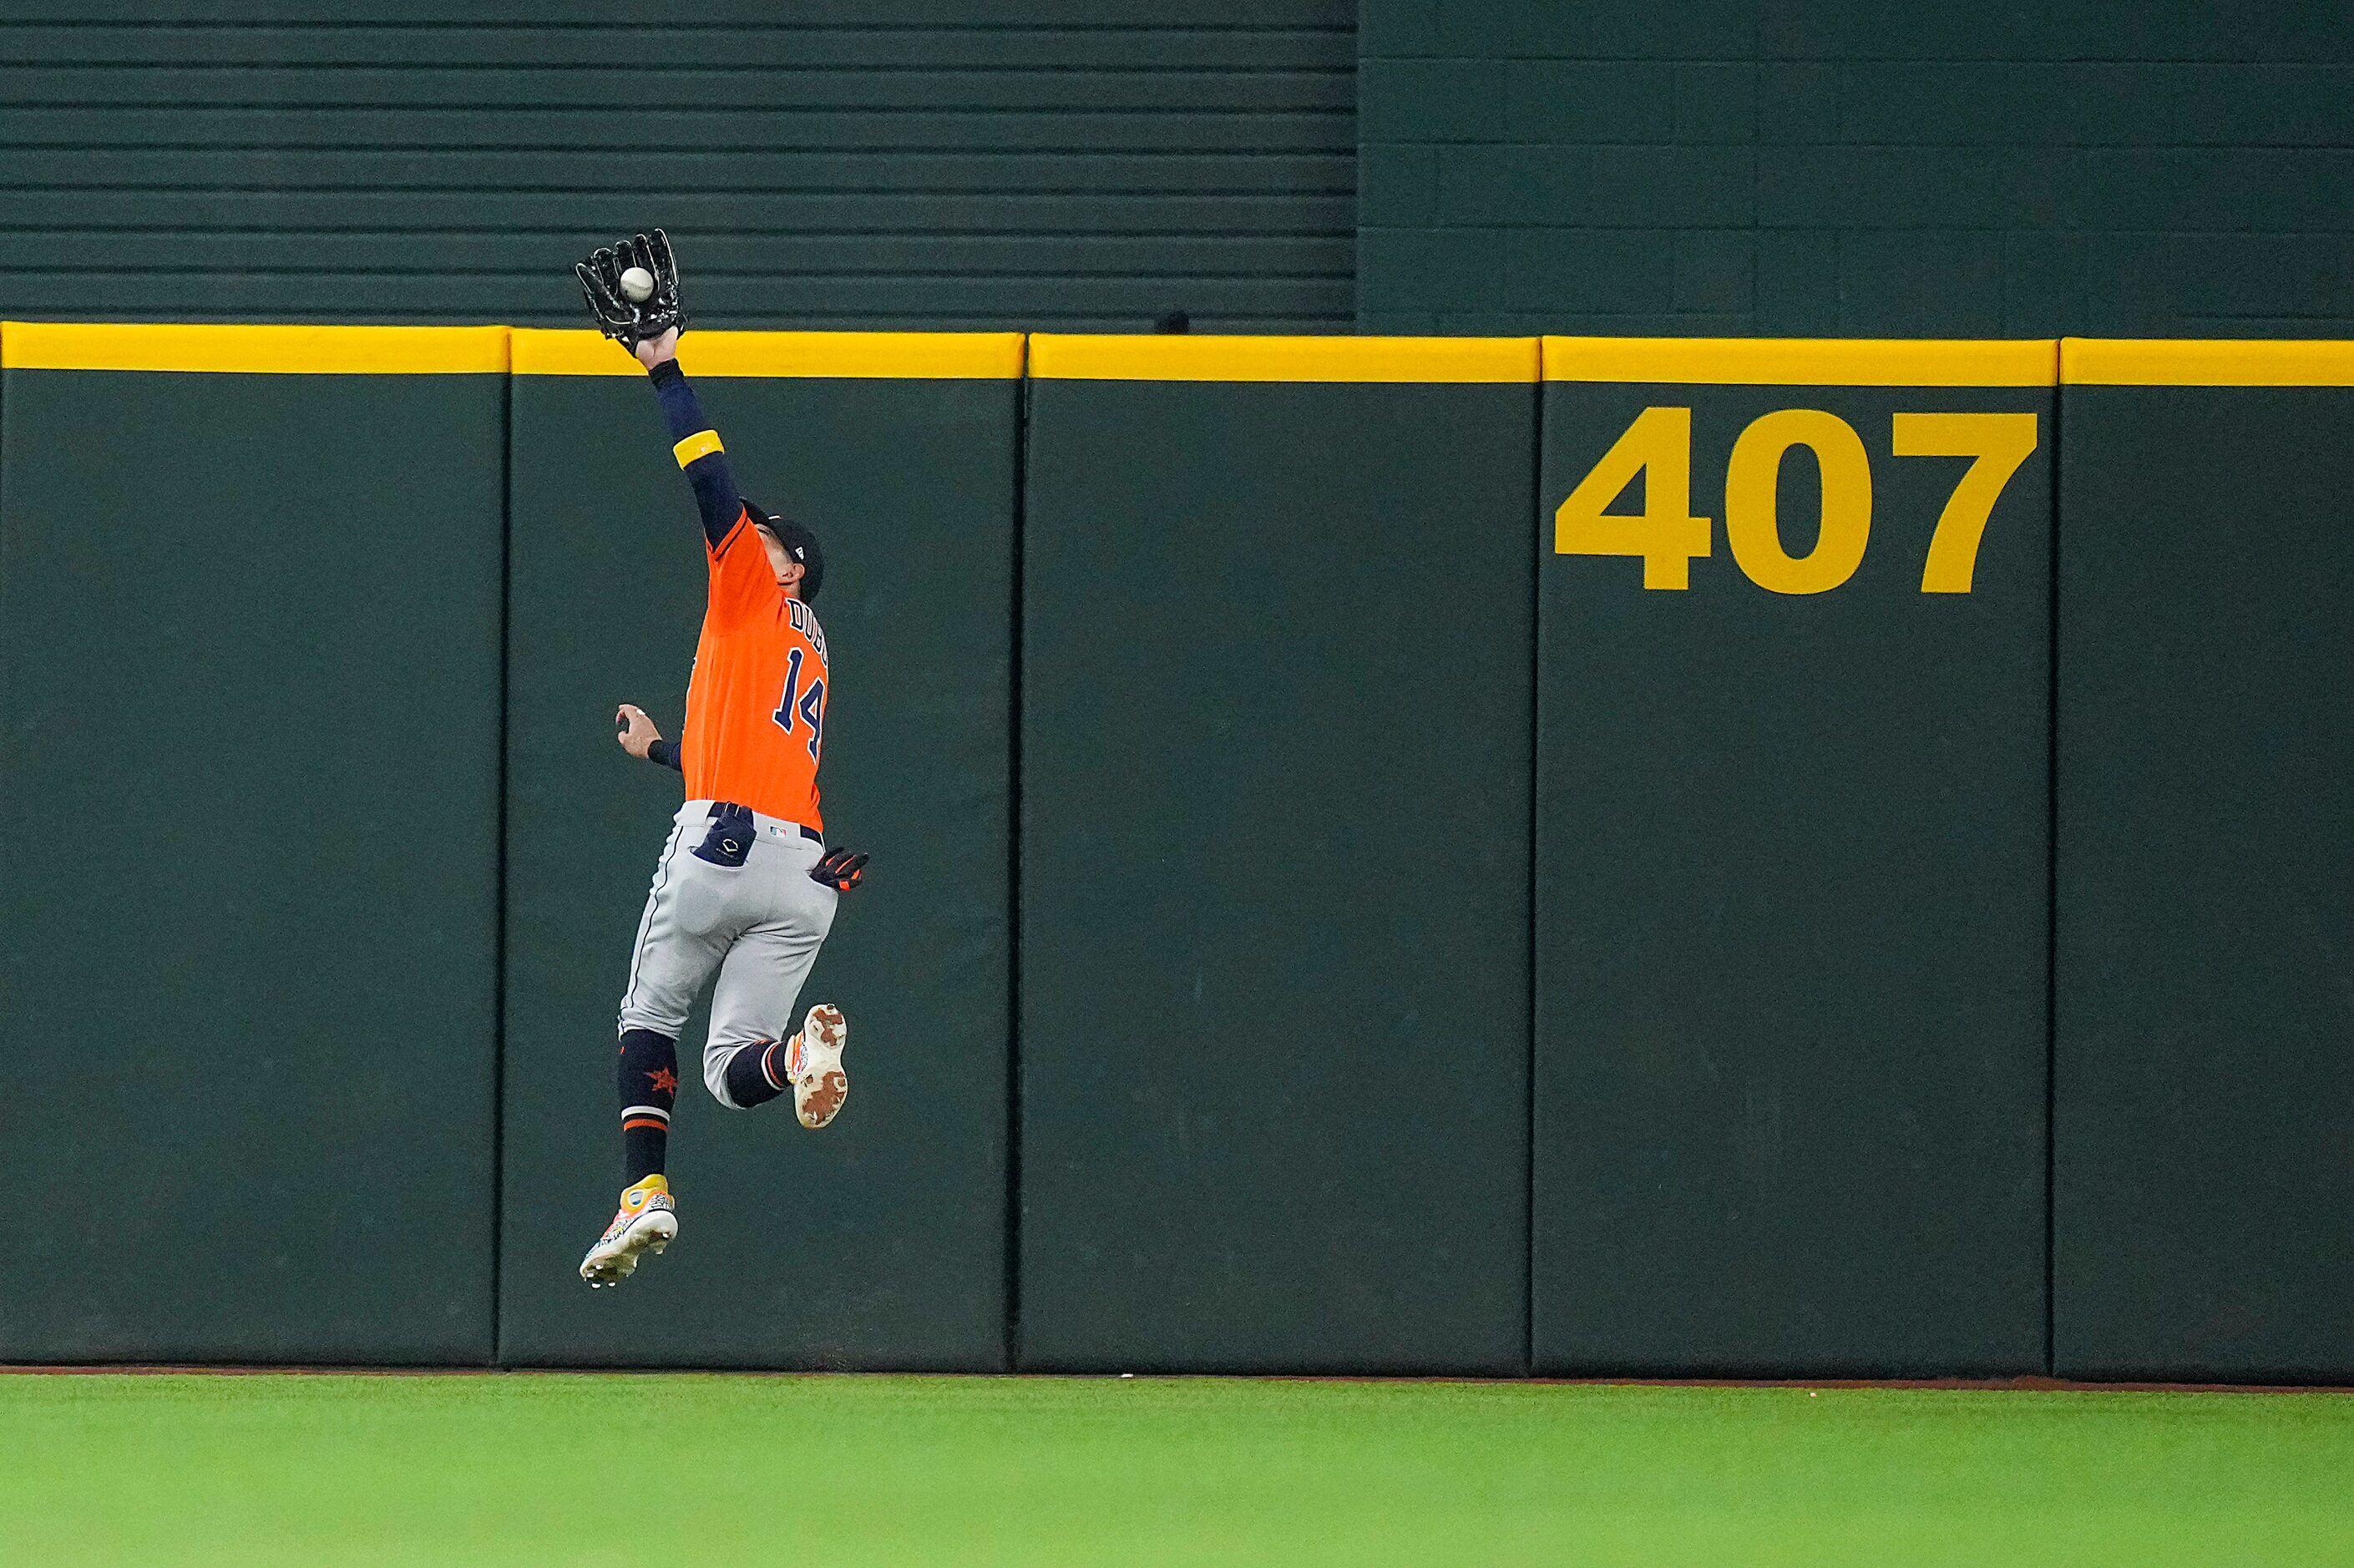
(1667, 538)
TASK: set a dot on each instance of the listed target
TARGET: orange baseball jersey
(756, 706)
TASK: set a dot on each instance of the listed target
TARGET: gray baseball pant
(757, 925)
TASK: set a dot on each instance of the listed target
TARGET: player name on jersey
(805, 623)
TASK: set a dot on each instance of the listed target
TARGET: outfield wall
(1668, 857)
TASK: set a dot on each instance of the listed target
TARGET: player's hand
(638, 732)
(654, 350)
(840, 870)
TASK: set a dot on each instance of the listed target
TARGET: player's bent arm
(693, 441)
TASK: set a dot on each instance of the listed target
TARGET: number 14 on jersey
(808, 703)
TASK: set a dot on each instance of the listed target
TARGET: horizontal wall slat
(1029, 90)
(709, 16)
(529, 300)
(752, 174)
(719, 261)
(402, 213)
(556, 48)
(709, 130)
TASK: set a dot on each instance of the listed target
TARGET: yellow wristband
(701, 444)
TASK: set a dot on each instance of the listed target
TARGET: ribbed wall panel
(915, 163)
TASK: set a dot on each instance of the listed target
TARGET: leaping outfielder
(746, 888)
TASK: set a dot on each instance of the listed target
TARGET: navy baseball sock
(649, 1090)
(756, 1074)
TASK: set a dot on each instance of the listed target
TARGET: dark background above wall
(912, 163)
(1856, 169)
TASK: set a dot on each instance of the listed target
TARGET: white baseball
(638, 284)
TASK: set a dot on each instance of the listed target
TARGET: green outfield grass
(658, 1469)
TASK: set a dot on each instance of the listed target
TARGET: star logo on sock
(664, 1081)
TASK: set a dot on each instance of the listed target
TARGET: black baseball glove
(839, 870)
(600, 281)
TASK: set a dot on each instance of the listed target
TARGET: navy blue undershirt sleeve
(716, 495)
(666, 753)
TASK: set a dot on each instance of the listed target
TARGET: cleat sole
(819, 1092)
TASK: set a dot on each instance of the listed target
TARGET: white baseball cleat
(813, 1066)
(647, 1222)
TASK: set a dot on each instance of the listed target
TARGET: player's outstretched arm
(640, 739)
(693, 440)
(632, 291)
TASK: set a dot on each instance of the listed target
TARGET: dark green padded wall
(1273, 933)
(1790, 920)
(1789, 1029)
(249, 653)
(879, 1242)
(830, 163)
(2204, 1178)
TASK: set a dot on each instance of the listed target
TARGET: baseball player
(746, 887)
